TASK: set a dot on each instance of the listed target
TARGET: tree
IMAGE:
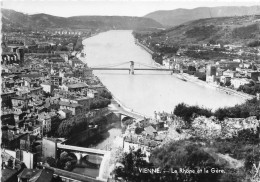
(187, 112)
(213, 42)
(185, 155)
(102, 120)
(55, 123)
(99, 103)
(130, 165)
(57, 179)
(68, 166)
(128, 121)
(72, 125)
(138, 130)
(106, 94)
(66, 161)
(252, 159)
(51, 161)
(78, 46)
(228, 83)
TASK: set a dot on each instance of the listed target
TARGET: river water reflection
(146, 91)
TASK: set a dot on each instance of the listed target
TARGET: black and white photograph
(130, 90)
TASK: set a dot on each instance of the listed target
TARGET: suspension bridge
(132, 67)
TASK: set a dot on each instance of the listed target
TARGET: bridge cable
(110, 65)
(149, 66)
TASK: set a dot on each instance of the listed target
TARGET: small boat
(181, 78)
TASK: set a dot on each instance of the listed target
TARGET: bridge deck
(148, 69)
(122, 110)
(82, 149)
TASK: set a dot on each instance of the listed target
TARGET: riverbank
(217, 87)
(117, 106)
(143, 46)
(194, 79)
(228, 91)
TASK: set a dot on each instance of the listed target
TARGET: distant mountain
(11, 19)
(175, 17)
(227, 30)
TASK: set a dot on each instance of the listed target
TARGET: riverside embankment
(218, 87)
(143, 46)
(194, 79)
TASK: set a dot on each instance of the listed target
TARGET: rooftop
(142, 141)
(66, 110)
(8, 173)
(62, 103)
(77, 85)
(28, 173)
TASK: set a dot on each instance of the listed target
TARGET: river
(146, 91)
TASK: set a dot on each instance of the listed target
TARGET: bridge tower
(132, 69)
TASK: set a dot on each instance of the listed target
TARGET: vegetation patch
(201, 32)
(246, 32)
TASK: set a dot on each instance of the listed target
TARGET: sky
(66, 8)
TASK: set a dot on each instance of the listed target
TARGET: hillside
(179, 16)
(11, 19)
(227, 30)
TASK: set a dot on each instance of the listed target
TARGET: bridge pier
(132, 69)
(80, 156)
(118, 115)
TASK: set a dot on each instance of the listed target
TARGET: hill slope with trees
(11, 18)
(179, 16)
(226, 30)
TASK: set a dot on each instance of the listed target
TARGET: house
(56, 60)
(211, 79)
(83, 101)
(225, 79)
(143, 122)
(52, 101)
(26, 142)
(36, 130)
(7, 117)
(36, 91)
(10, 58)
(133, 142)
(9, 175)
(48, 87)
(74, 107)
(98, 88)
(150, 131)
(227, 64)
(92, 93)
(11, 166)
(20, 101)
(56, 80)
(253, 75)
(237, 82)
(45, 119)
(229, 73)
(75, 62)
(82, 72)
(6, 97)
(219, 72)
(75, 87)
(70, 46)
(49, 147)
(65, 113)
(11, 137)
